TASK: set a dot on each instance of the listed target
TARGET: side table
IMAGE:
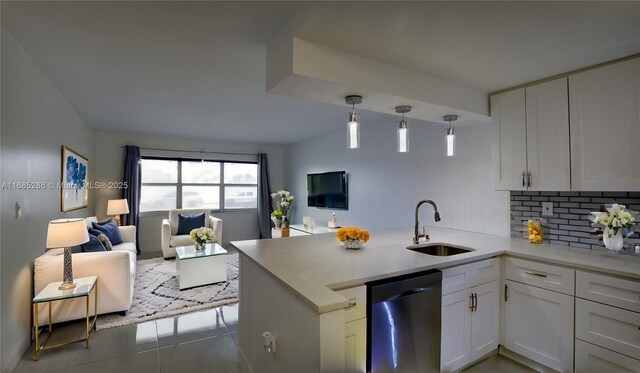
(51, 293)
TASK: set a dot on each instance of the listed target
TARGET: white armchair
(170, 240)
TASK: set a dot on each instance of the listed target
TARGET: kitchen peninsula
(301, 289)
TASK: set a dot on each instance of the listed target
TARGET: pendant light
(403, 131)
(353, 130)
(451, 137)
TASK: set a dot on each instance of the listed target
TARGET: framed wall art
(74, 193)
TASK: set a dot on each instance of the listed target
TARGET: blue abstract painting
(74, 180)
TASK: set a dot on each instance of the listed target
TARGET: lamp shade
(117, 207)
(66, 233)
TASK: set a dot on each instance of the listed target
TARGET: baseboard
(525, 361)
(14, 358)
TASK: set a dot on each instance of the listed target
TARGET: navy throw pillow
(76, 249)
(186, 223)
(110, 229)
(94, 245)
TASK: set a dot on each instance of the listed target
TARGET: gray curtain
(133, 178)
(264, 197)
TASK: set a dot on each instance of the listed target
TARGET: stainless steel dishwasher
(403, 323)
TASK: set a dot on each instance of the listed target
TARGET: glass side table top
(84, 285)
(189, 252)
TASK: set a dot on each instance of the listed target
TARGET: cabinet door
(356, 346)
(605, 128)
(609, 327)
(509, 143)
(485, 321)
(539, 325)
(548, 159)
(594, 359)
(456, 331)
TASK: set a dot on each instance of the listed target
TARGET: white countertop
(314, 266)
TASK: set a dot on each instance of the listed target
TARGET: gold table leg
(35, 327)
(87, 323)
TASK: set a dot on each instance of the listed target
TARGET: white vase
(613, 243)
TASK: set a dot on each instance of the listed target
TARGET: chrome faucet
(436, 216)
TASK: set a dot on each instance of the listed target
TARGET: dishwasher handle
(411, 292)
(393, 288)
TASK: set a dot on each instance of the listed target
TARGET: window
(175, 183)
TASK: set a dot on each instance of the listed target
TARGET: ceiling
(483, 45)
(197, 69)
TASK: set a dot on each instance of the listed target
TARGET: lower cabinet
(470, 325)
(539, 325)
(355, 346)
(594, 359)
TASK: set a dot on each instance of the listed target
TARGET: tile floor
(202, 341)
(498, 364)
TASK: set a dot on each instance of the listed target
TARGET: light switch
(547, 208)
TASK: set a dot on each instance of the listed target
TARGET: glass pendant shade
(403, 137)
(451, 142)
(353, 131)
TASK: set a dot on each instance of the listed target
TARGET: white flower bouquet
(200, 236)
(615, 219)
(283, 200)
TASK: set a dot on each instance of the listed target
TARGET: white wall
(109, 167)
(36, 121)
(385, 186)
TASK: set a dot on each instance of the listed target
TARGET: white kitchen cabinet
(470, 325)
(355, 329)
(531, 138)
(509, 143)
(605, 128)
(356, 346)
(613, 291)
(456, 331)
(548, 159)
(609, 327)
(485, 319)
(538, 324)
(593, 359)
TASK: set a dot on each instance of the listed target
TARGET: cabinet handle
(524, 175)
(352, 303)
(475, 302)
(506, 295)
(471, 302)
(529, 179)
(536, 274)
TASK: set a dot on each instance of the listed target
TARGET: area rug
(156, 294)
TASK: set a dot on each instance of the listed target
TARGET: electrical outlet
(547, 208)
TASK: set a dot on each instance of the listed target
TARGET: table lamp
(117, 207)
(64, 233)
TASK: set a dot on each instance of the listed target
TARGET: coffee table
(200, 268)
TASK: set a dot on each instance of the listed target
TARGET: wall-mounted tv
(328, 190)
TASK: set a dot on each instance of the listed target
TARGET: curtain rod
(194, 151)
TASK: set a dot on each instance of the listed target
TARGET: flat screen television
(328, 190)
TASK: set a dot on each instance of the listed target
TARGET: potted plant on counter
(613, 222)
(283, 200)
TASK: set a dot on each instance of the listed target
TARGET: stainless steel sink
(439, 249)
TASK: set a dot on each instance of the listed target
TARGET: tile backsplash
(569, 224)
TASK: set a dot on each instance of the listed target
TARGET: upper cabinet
(531, 138)
(605, 128)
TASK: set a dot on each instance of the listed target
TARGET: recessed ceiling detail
(312, 71)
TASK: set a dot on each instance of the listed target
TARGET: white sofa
(116, 271)
(170, 240)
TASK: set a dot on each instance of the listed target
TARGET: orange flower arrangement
(352, 233)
